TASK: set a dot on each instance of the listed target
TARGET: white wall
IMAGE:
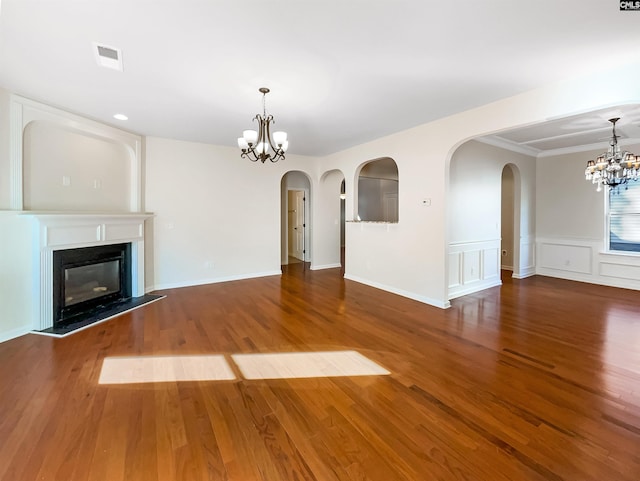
(217, 216)
(475, 214)
(412, 257)
(5, 197)
(567, 204)
(571, 234)
(398, 257)
(16, 275)
(65, 170)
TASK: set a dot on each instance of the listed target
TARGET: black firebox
(89, 279)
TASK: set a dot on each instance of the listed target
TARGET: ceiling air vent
(109, 57)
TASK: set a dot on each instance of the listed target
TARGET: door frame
(305, 228)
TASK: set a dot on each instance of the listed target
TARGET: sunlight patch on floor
(286, 365)
(292, 365)
(143, 369)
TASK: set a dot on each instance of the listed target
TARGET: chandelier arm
(278, 157)
(246, 155)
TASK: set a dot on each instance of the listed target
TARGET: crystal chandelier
(259, 145)
(614, 167)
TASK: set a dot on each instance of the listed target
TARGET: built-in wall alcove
(67, 170)
(66, 163)
(378, 189)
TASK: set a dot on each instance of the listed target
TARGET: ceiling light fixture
(255, 144)
(120, 117)
(614, 167)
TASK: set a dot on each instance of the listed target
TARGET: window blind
(624, 218)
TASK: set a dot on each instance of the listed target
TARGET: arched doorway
(295, 218)
(507, 200)
(510, 220)
(329, 218)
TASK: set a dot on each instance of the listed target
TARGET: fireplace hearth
(90, 285)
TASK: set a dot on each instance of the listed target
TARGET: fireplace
(89, 280)
(69, 237)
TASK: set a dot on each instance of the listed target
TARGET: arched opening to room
(329, 221)
(484, 215)
(510, 220)
(377, 191)
(295, 218)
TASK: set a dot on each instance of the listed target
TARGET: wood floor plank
(536, 380)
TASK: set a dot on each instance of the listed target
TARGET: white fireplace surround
(59, 231)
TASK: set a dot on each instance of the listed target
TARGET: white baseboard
(474, 287)
(598, 280)
(215, 280)
(400, 292)
(325, 266)
(13, 333)
(524, 273)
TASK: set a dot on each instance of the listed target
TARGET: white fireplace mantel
(65, 230)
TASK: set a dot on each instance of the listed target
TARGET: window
(624, 218)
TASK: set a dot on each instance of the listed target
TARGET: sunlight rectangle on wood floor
(306, 365)
(142, 369)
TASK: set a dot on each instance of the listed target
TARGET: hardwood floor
(536, 380)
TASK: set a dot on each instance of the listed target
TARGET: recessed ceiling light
(120, 117)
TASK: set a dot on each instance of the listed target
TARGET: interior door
(390, 207)
(296, 223)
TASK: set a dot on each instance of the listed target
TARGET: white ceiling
(587, 131)
(341, 72)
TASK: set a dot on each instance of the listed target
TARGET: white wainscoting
(585, 261)
(526, 258)
(473, 266)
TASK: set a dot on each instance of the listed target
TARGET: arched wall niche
(376, 189)
(64, 168)
(65, 163)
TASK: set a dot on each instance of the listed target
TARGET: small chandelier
(614, 167)
(258, 145)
